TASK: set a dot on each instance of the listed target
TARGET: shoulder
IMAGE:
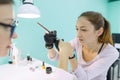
(110, 50)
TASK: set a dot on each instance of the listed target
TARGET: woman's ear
(100, 31)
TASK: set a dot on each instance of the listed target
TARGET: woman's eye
(7, 29)
(83, 30)
(76, 29)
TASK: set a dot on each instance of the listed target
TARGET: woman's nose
(79, 34)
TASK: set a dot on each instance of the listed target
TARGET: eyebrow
(10, 19)
(7, 24)
(81, 26)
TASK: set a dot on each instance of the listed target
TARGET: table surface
(25, 70)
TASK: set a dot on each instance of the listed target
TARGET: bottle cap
(48, 70)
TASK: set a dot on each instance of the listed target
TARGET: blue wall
(113, 16)
(57, 15)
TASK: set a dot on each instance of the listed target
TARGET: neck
(92, 47)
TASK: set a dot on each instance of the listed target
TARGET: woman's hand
(66, 49)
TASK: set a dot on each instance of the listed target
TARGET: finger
(61, 43)
(70, 46)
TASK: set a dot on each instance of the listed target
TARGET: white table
(32, 71)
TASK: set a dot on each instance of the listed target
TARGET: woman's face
(86, 32)
(6, 17)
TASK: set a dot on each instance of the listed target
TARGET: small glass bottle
(15, 54)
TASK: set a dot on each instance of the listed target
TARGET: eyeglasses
(13, 26)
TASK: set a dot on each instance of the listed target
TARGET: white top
(98, 67)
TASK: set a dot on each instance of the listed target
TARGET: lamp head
(28, 10)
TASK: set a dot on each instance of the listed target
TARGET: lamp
(28, 10)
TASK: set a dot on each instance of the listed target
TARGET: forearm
(51, 53)
(78, 70)
(63, 62)
(73, 63)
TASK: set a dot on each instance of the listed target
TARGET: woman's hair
(6, 1)
(99, 21)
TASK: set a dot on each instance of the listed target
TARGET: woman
(7, 26)
(93, 46)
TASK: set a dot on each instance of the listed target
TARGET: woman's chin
(3, 53)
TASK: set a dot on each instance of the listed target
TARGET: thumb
(61, 43)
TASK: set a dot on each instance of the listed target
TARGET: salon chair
(114, 70)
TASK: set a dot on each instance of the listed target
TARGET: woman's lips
(80, 39)
(9, 46)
